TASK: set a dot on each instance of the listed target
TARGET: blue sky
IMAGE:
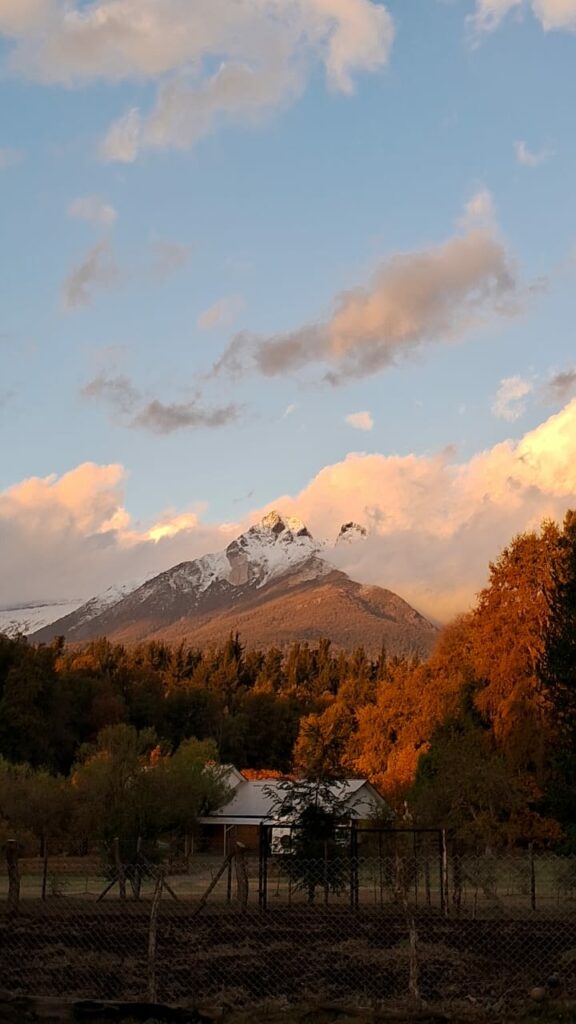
(270, 213)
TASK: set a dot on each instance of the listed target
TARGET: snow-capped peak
(270, 548)
(351, 532)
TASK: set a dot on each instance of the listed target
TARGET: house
(256, 802)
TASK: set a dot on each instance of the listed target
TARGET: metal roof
(257, 801)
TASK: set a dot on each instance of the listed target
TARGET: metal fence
(472, 932)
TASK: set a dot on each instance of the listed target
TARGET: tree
(558, 673)
(315, 856)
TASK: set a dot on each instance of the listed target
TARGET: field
(86, 950)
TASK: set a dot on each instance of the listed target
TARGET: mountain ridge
(274, 584)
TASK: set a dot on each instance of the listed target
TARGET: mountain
(23, 619)
(274, 585)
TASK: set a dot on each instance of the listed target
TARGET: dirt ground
(283, 957)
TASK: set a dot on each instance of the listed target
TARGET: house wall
(211, 838)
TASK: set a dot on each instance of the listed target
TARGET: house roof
(255, 802)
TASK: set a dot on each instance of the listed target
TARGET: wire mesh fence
(482, 929)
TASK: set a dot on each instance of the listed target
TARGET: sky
(313, 255)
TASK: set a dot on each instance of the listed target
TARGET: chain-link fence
(478, 931)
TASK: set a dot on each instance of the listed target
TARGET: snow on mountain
(103, 602)
(270, 549)
(350, 533)
(274, 584)
(28, 618)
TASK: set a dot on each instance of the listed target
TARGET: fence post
(137, 875)
(241, 875)
(152, 938)
(45, 870)
(119, 868)
(532, 877)
(13, 877)
(263, 867)
(444, 889)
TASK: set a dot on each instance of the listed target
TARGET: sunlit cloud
(433, 523)
(553, 15)
(360, 420)
(222, 313)
(215, 62)
(414, 299)
(509, 402)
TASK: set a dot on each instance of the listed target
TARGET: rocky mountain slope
(274, 584)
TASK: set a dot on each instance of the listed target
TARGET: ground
(289, 955)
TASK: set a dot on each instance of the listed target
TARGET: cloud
(214, 61)
(360, 420)
(151, 414)
(529, 158)
(93, 209)
(72, 536)
(413, 299)
(9, 157)
(562, 385)
(6, 396)
(162, 418)
(508, 404)
(118, 392)
(96, 270)
(552, 14)
(434, 523)
(168, 257)
(479, 210)
(19, 17)
(221, 314)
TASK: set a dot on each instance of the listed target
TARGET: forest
(479, 739)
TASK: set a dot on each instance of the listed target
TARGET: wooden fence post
(444, 876)
(152, 938)
(13, 877)
(532, 877)
(119, 868)
(241, 875)
(137, 875)
(45, 870)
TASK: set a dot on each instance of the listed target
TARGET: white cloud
(264, 52)
(479, 210)
(360, 420)
(122, 141)
(508, 403)
(552, 14)
(530, 158)
(222, 313)
(9, 157)
(434, 523)
(93, 209)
